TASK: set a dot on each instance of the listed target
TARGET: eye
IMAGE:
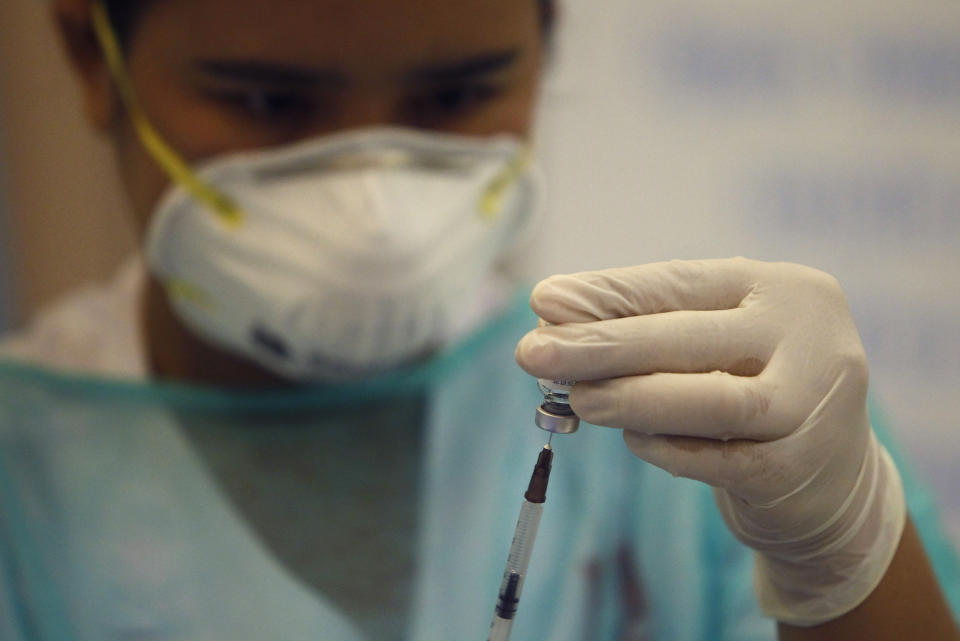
(269, 104)
(447, 102)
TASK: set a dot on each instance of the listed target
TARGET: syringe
(521, 548)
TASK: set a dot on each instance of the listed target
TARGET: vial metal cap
(557, 418)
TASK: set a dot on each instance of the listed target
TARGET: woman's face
(215, 77)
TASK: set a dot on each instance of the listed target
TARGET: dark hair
(124, 13)
(548, 17)
(123, 16)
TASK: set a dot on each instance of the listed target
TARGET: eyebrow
(268, 73)
(466, 68)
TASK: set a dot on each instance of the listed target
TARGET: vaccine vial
(554, 413)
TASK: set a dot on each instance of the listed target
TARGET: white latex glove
(750, 377)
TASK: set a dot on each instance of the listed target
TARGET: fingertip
(566, 298)
(534, 353)
(520, 353)
(543, 298)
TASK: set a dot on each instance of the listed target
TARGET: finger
(645, 289)
(722, 464)
(681, 342)
(716, 405)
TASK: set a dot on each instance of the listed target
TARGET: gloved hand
(750, 377)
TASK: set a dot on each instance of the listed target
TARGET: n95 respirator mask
(341, 256)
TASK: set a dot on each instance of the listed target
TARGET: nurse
(327, 190)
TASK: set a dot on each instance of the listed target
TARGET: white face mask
(346, 255)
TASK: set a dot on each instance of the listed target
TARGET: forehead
(348, 33)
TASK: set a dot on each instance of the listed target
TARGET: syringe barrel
(523, 538)
(500, 629)
(517, 562)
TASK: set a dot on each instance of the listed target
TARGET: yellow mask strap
(492, 200)
(168, 159)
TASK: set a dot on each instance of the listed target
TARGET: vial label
(548, 385)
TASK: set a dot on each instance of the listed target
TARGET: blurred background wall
(804, 130)
(65, 219)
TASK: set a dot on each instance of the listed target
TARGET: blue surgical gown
(112, 529)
